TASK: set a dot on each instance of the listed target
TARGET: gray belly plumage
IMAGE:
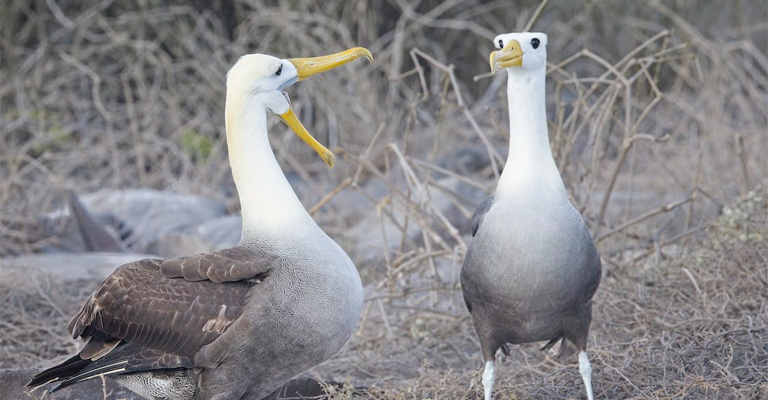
(529, 271)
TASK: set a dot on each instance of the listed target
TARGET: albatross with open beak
(240, 322)
(532, 268)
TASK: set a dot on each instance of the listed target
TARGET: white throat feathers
(530, 165)
(269, 206)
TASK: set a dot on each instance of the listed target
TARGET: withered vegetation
(658, 121)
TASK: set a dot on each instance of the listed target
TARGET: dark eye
(279, 71)
(501, 44)
(535, 43)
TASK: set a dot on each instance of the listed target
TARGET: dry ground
(658, 116)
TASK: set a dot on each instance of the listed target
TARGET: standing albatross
(240, 322)
(532, 268)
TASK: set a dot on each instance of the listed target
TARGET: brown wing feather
(168, 317)
(229, 265)
(148, 359)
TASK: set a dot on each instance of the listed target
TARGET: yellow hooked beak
(307, 67)
(509, 56)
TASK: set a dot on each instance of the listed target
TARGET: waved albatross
(240, 322)
(532, 268)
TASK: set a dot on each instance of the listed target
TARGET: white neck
(530, 167)
(271, 211)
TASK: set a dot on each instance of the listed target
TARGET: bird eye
(501, 44)
(279, 71)
(535, 43)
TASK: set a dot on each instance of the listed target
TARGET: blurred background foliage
(658, 116)
(649, 102)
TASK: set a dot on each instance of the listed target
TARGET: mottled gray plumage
(160, 384)
(532, 268)
(236, 323)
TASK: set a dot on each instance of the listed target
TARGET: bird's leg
(586, 373)
(488, 379)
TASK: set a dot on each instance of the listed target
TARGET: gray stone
(70, 266)
(146, 215)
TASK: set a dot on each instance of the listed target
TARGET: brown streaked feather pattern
(164, 317)
(228, 265)
(144, 358)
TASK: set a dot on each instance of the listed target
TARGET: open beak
(307, 67)
(510, 56)
(290, 119)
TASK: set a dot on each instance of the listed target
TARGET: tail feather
(566, 349)
(551, 343)
(61, 372)
(89, 373)
(77, 369)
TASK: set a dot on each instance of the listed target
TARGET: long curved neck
(530, 167)
(268, 204)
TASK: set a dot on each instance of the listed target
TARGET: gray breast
(530, 271)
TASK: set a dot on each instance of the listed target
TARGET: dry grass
(692, 326)
(33, 312)
(657, 120)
